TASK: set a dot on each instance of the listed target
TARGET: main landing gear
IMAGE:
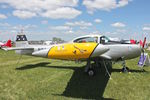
(89, 69)
(125, 68)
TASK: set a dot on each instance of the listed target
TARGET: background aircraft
(97, 48)
(7, 44)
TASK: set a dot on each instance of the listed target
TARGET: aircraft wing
(18, 48)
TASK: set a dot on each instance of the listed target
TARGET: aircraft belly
(72, 51)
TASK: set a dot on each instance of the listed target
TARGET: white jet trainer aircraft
(88, 48)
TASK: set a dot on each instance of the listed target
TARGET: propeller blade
(144, 42)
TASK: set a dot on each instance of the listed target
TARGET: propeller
(144, 42)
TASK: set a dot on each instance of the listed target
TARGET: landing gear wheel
(91, 72)
(125, 69)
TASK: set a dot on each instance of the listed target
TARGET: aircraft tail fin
(8, 44)
(21, 40)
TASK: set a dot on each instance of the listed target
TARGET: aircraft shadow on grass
(80, 84)
(31, 66)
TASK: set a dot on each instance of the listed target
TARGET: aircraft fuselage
(124, 51)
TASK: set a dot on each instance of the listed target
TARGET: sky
(67, 19)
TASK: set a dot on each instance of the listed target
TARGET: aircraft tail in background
(7, 44)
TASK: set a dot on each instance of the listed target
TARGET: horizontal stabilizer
(18, 48)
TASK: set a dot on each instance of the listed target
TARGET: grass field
(46, 79)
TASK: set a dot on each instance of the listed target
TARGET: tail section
(21, 40)
(22, 46)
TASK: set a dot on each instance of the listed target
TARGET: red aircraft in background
(7, 44)
(142, 43)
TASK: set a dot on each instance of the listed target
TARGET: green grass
(46, 79)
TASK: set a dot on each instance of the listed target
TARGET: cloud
(29, 26)
(37, 5)
(105, 5)
(122, 3)
(64, 13)
(58, 28)
(24, 27)
(79, 23)
(45, 8)
(9, 31)
(83, 28)
(4, 24)
(23, 14)
(118, 25)
(44, 22)
(2, 16)
(121, 31)
(71, 27)
(146, 28)
(4, 6)
(97, 20)
(95, 32)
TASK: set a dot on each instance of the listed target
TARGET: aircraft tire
(124, 70)
(91, 72)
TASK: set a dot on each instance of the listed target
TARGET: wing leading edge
(18, 48)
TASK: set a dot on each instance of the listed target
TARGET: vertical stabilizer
(8, 44)
(21, 40)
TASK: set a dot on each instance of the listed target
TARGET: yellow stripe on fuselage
(72, 51)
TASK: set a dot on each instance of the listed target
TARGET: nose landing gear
(125, 69)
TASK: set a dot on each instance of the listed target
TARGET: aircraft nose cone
(41, 53)
(100, 49)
